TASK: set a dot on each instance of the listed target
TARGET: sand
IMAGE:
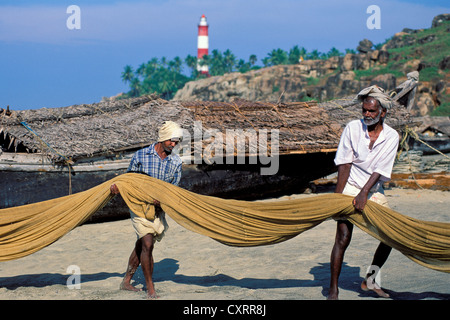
(189, 266)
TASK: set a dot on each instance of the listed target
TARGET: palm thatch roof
(88, 130)
(117, 125)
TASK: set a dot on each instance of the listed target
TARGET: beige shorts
(376, 195)
(155, 227)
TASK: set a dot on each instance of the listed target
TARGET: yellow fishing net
(27, 229)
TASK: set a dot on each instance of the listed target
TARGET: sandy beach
(189, 266)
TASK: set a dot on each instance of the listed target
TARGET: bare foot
(128, 287)
(375, 288)
(333, 295)
(152, 296)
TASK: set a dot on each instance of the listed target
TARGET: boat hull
(20, 186)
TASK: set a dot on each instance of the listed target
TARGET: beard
(168, 150)
(368, 121)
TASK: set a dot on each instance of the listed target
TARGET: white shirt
(354, 148)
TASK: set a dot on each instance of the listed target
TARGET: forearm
(361, 199)
(374, 177)
(343, 174)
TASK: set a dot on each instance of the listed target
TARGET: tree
(334, 53)
(135, 88)
(229, 61)
(191, 62)
(252, 60)
(314, 55)
(175, 65)
(243, 66)
(276, 57)
(127, 74)
(294, 55)
(216, 63)
(161, 76)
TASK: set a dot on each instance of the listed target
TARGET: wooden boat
(48, 153)
(432, 135)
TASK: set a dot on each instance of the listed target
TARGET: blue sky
(45, 64)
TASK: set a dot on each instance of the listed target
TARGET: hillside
(424, 50)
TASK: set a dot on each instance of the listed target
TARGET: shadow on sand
(166, 270)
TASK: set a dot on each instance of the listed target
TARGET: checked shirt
(148, 161)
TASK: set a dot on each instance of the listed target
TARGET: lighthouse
(202, 43)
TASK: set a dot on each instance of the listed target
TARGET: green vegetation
(442, 110)
(160, 76)
(430, 46)
(165, 77)
(375, 71)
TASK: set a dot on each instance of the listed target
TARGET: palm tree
(177, 64)
(314, 55)
(229, 60)
(243, 66)
(127, 74)
(191, 62)
(252, 60)
(333, 53)
(276, 57)
(141, 70)
(216, 63)
(294, 55)
(135, 86)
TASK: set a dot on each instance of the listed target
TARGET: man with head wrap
(159, 162)
(364, 158)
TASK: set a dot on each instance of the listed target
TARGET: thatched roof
(117, 125)
(90, 129)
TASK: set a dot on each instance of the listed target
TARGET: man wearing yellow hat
(157, 161)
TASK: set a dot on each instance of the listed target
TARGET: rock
(365, 46)
(374, 55)
(411, 65)
(424, 105)
(383, 57)
(353, 61)
(439, 19)
(385, 81)
(440, 86)
(427, 39)
(401, 39)
(348, 62)
(444, 64)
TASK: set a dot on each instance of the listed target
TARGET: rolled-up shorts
(375, 195)
(156, 227)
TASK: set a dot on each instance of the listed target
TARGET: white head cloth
(377, 93)
(414, 75)
(170, 130)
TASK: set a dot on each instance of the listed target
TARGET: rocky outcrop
(333, 78)
(439, 19)
(312, 79)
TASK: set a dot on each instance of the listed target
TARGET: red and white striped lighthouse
(202, 43)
